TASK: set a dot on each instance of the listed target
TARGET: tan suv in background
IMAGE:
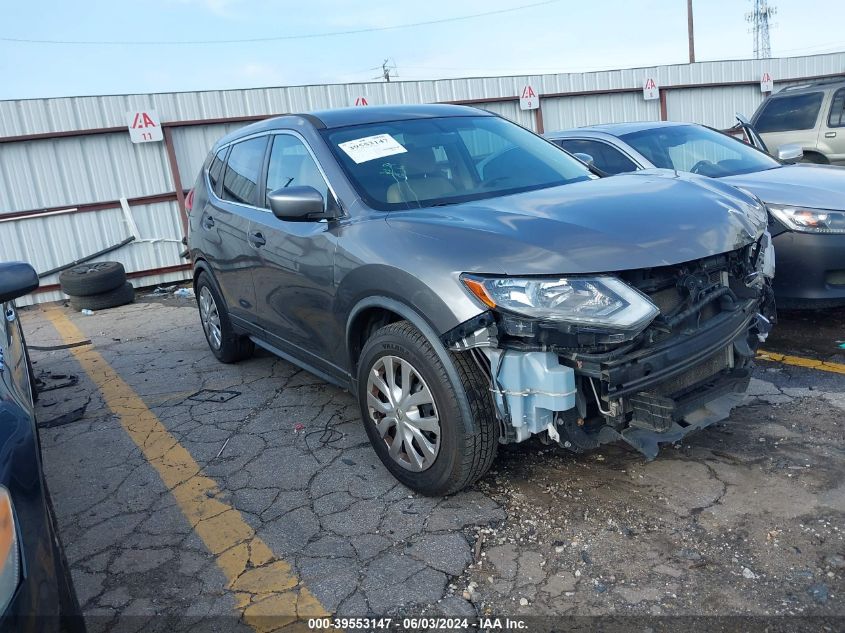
(810, 115)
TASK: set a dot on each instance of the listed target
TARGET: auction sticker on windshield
(369, 148)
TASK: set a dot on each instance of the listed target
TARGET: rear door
(832, 137)
(294, 283)
(226, 224)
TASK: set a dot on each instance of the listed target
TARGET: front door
(294, 284)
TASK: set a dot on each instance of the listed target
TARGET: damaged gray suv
(475, 285)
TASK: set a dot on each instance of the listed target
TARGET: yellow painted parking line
(799, 361)
(267, 591)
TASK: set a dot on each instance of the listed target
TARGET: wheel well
(199, 268)
(362, 328)
(816, 157)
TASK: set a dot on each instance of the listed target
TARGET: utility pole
(690, 33)
(385, 71)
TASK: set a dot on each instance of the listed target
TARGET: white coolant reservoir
(534, 385)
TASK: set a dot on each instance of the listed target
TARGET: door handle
(207, 222)
(830, 134)
(257, 239)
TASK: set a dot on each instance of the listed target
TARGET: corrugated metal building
(66, 163)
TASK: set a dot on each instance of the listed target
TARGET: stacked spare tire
(97, 286)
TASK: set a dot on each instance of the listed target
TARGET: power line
(279, 38)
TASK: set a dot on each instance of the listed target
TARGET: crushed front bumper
(685, 371)
(660, 394)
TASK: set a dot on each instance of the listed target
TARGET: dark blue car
(36, 592)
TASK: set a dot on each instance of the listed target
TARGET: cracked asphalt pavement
(743, 518)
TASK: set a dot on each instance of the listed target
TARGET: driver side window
(291, 165)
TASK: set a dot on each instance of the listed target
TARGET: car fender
(393, 305)
(419, 322)
(404, 289)
(202, 266)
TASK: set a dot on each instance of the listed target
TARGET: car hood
(639, 220)
(815, 186)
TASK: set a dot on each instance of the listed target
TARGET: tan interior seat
(424, 180)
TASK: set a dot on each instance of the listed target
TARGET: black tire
(233, 346)
(469, 430)
(111, 299)
(86, 280)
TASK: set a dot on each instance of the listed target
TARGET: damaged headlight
(809, 220)
(602, 302)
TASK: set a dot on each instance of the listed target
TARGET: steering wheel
(490, 182)
(696, 169)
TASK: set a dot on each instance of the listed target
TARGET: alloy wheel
(210, 317)
(403, 410)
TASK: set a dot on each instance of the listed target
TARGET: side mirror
(584, 158)
(299, 203)
(16, 280)
(790, 153)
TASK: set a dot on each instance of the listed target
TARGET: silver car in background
(806, 203)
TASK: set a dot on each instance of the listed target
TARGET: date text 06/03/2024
(413, 624)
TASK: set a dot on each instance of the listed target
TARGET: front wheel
(430, 419)
(226, 344)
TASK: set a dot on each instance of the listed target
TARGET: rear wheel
(434, 429)
(226, 344)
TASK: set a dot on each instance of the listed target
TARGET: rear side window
(242, 170)
(215, 169)
(783, 114)
(607, 158)
(837, 110)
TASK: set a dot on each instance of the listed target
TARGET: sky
(556, 36)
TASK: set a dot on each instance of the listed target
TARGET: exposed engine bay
(687, 368)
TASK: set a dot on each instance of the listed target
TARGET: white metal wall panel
(192, 144)
(49, 115)
(561, 113)
(510, 110)
(77, 170)
(51, 241)
(716, 107)
(71, 171)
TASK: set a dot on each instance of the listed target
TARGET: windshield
(699, 150)
(430, 162)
